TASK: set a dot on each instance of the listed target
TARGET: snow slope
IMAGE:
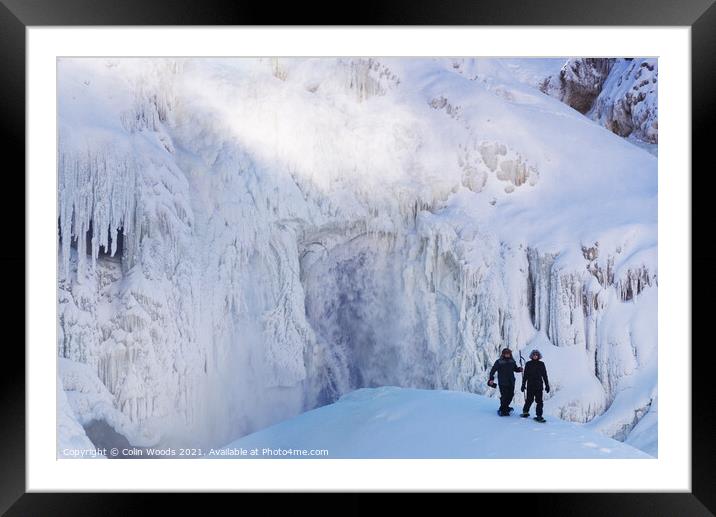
(242, 240)
(392, 422)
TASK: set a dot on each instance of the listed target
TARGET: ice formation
(241, 240)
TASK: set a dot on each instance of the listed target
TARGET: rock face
(242, 240)
(579, 82)
(628, 103)
(620, 94)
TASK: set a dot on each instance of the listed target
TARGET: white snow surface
(390, 422)
(296, 229)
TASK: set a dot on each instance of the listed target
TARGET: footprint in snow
(591, 445)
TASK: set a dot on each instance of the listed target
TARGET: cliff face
(620, 94)
(242, 240)
(579, 82)
(628, 103)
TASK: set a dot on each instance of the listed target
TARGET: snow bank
(391, 422)
(89, 400)
(70, 434)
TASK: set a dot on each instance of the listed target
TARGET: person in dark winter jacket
(535, 373)
(505, 367)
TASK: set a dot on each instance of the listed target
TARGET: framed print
(417, 253)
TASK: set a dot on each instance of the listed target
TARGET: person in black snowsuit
(505, 367)
(535, 373)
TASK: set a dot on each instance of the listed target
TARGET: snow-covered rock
(579, 82)
(627, 104)
(392, 422)
(619, 94)
(241, 240)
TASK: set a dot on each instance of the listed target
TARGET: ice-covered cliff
(620, 94)
(241, 240)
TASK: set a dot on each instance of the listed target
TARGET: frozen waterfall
(242, 240)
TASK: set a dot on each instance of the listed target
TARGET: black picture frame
(16, 15)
